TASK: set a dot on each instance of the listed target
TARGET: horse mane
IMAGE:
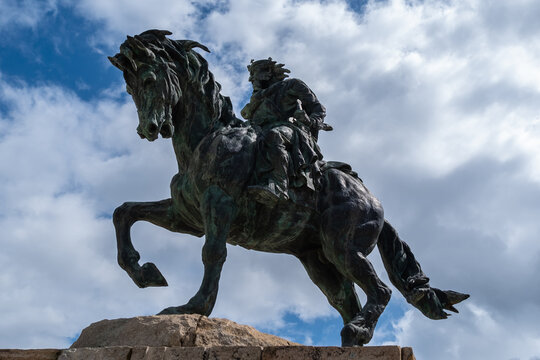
(152, 47)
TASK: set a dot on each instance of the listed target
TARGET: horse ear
(190, 44)
(160, 34)
(139, 47)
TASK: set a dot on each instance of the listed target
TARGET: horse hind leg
(347, 239)
(338, 289)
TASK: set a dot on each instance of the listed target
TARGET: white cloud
(65, 164)
(480, 338)
(401, 56)
(24, 13)
(49, 228)
(438, 111)
(133, 17)
(435, 104)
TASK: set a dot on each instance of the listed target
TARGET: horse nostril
(152, 128)
(166, 130)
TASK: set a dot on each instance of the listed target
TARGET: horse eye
(149, 78)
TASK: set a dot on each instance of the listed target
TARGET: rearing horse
(176, 96)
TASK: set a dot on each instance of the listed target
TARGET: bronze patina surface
(261, 184)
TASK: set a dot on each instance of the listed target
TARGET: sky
(436, 104)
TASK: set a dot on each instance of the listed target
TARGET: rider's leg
(338, 289)
(276, 146)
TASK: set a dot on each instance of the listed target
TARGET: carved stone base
(194, 337)
(38, 354)
(215, 353)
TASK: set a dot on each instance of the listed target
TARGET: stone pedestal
(40, 354)
(194, 337)
(214, 353)
(174, 331)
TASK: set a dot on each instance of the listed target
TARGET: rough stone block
(41, 354)
(234, 352)
(174, 330)
(334, 353)
(407, 353)
(168, 353)
(139, 331)
(223, 332)
(185, 353)
(108, 353)
(147, 353)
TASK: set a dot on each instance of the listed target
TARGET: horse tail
(398, 259)
(407, 276)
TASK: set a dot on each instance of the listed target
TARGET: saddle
(344, 167)
(306, 197)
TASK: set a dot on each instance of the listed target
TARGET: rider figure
(288, 117)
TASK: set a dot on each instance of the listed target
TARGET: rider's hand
(301, 116)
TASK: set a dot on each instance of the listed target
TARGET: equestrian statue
(261, 184)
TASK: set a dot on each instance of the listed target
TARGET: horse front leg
(218, 210)
(156, 212)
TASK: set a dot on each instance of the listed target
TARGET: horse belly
(277, 230)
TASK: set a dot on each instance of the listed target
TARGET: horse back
(344, 188)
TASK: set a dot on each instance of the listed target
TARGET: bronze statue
(230, 188)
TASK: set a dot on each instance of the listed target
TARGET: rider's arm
(310, 104)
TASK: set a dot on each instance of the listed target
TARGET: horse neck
(193, 119)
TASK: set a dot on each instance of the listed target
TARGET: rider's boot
(272, 193)
(277, 187)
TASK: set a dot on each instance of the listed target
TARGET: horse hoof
(449, 298)
(430, 305)
(177, 310)
(168, 311)
(353, 335)
(151, 276)
(454, 297)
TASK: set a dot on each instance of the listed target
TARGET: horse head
(155, 69)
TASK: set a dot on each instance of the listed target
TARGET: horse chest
(185, 204)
